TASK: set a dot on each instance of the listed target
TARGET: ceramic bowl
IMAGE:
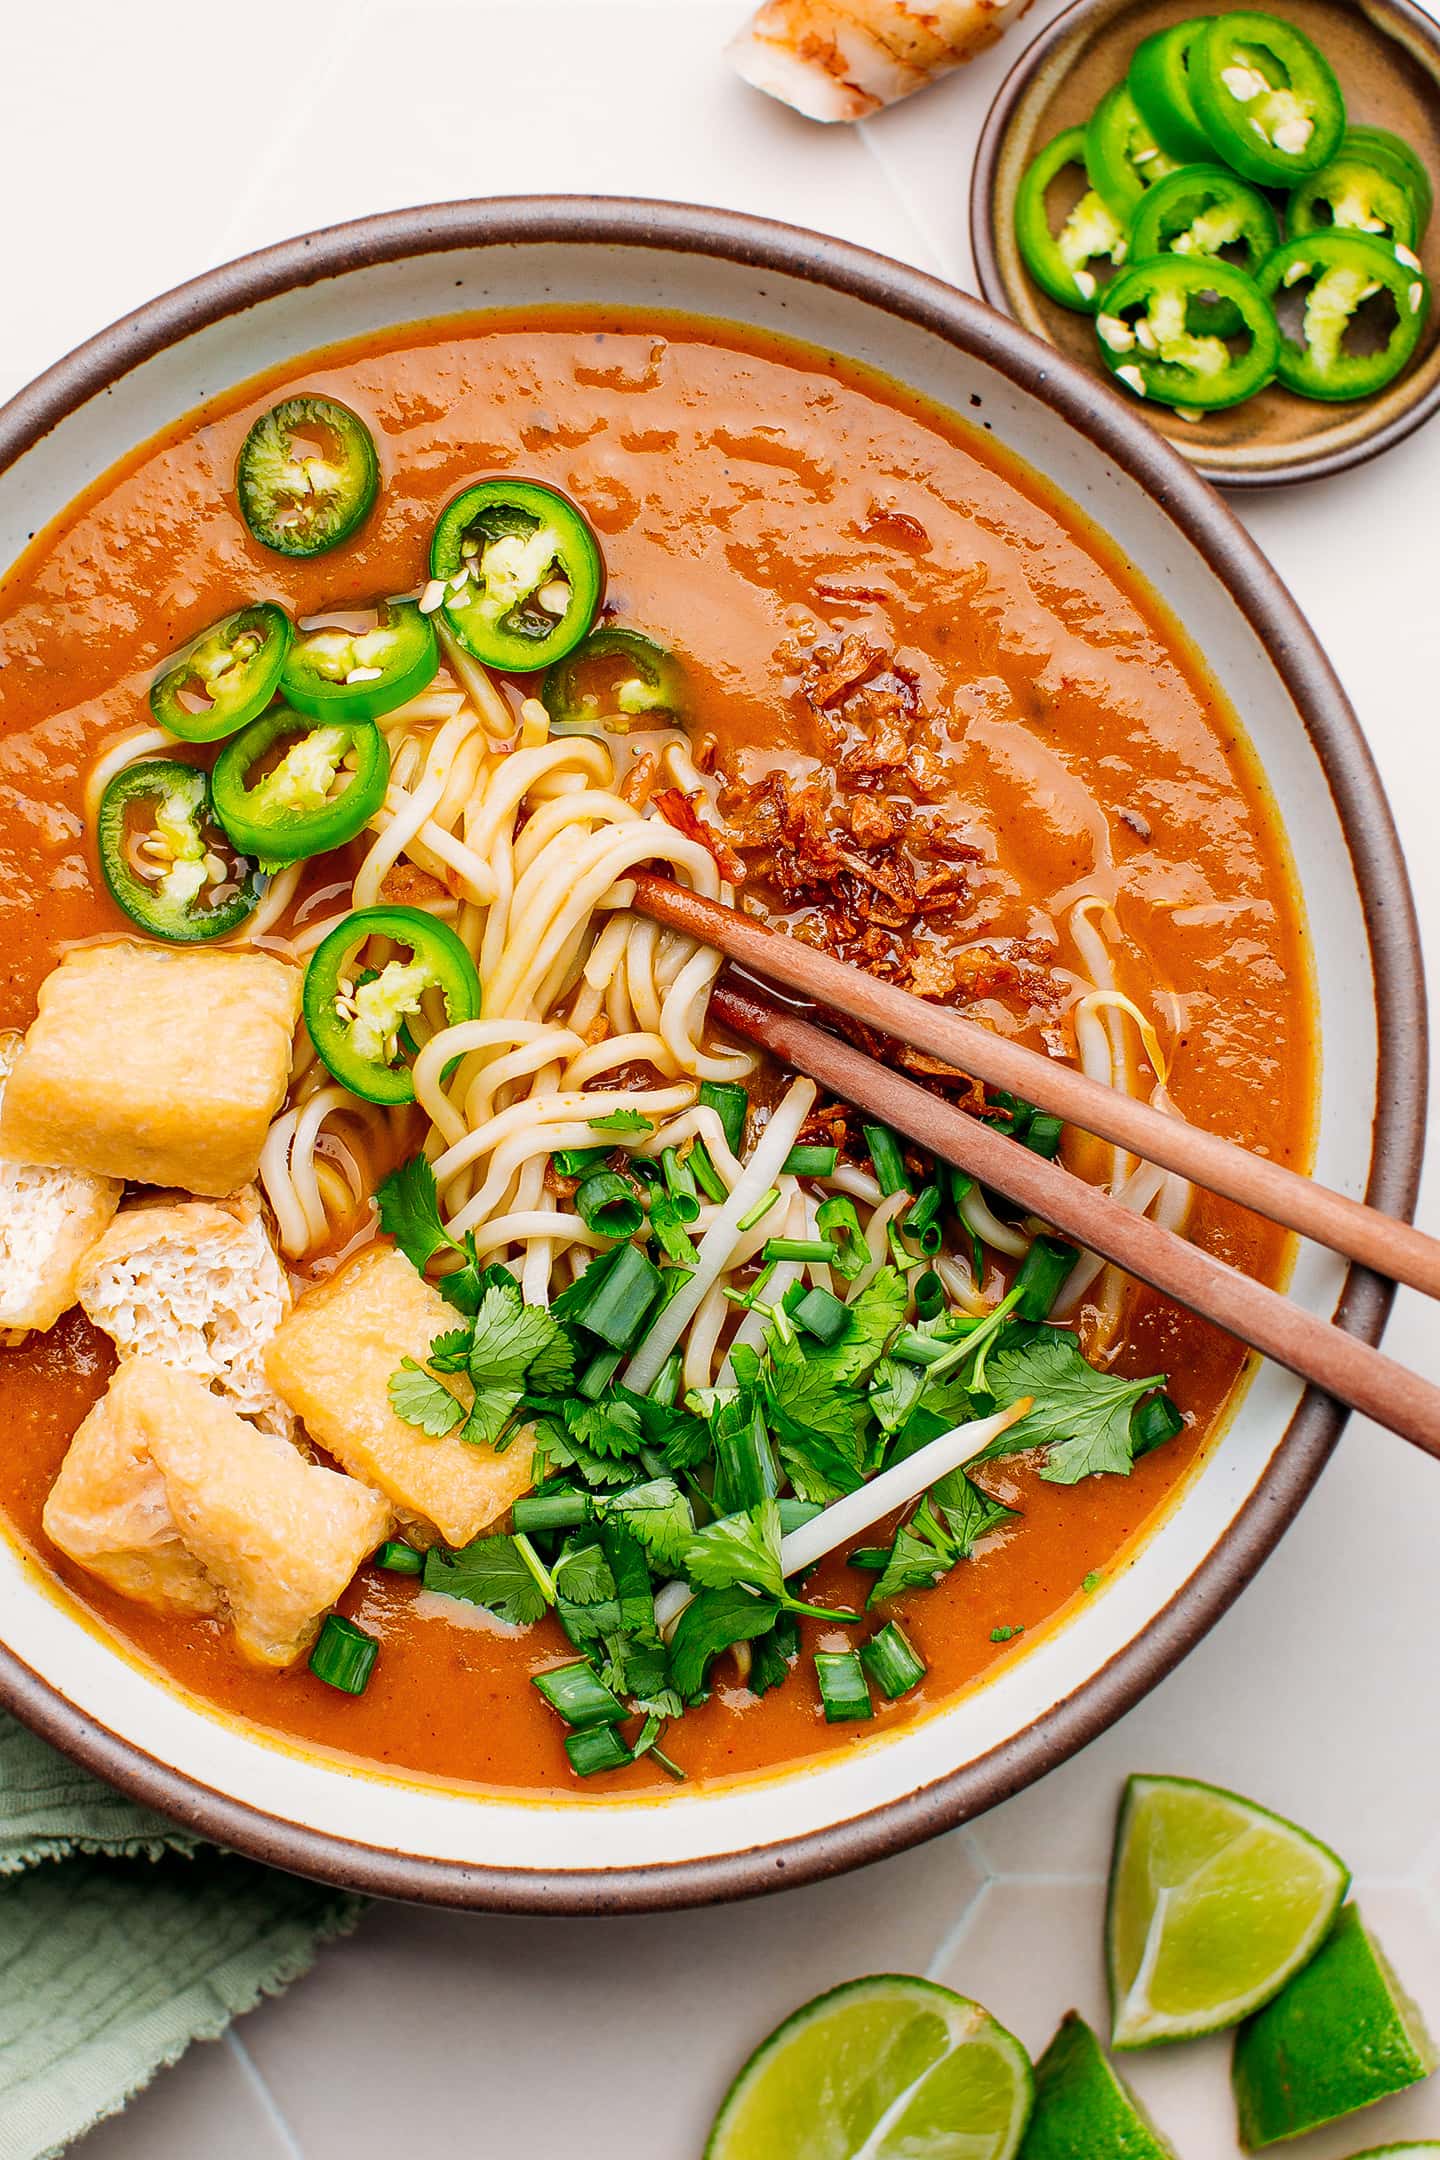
(1387, 56)
(402, 1837)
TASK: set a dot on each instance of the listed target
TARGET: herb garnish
(637, 1497)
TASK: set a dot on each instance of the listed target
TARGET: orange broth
(740, 486)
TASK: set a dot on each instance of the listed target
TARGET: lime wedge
(1393, 2152)
(880, 2069)
(1343, 2034)
(1214, 1904)
(1082, 2109)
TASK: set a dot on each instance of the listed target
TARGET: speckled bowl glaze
(582, 1852)
(1387, 56)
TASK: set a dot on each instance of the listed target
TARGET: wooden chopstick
(1249, 1310)
(1377, 1241)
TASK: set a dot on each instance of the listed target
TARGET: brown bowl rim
(979, 332)
(1290, 473)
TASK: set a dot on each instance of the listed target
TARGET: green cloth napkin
(122, 1939)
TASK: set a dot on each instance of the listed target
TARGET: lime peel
(1083, 2109)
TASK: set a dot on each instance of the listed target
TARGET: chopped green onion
(344, 1655)
(615, 1296)
(598, 1747)
(745, 1473)
(680, 1184)
(823, 1315)
(810, 1162)
(839, 1222)
(1155, 1422)
(760, 1210)
(702, 1168)
(666, 1390)
(598, 1374)
(642, 1168)
(843, 1688)
(398, 1558)
(794, 1514)
(1006, 1634)
(580, 1162)
(870, 1559)
(1042, 1277)
(579, 1695)
(669, 1230)
(1042, 1135)
(552, 1511)
(929, 1295)
(900, 1253)
(885, 1154)
(607, 1204)
(913, 1348)
(731, 1105)
(892, 1661)
(797, 1248)
(922, 1221)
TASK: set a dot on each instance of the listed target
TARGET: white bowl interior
(563, 1835)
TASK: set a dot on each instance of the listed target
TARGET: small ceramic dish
(1387, 56)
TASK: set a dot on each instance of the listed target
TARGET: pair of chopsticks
(1252, 1312)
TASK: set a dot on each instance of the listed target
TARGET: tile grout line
(939, 264)
(265, 2098)
(955, 1934)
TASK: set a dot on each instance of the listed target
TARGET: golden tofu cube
(171, 1498)
(49, 1219)
(331, 1360)
(163, 1066)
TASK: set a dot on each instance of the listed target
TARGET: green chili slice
(1122, 157)
(1344, 271)
(226, 678)
(307, 475)
(1267, 98)
(1353, 194)
(615, 678)
(357, 1018)
(1067, 264)
(1203, 210)
(1153, 342)
(1159, 82)
(522, 570)
(334, 672)
(327, 781)
(165, 859)
(1394, 155)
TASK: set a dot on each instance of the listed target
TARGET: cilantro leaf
(741, 1548)
(450, 1352)
(489, 1572)
(818, 1470)
(660, 1516)
(805, 1399)
(967, 1513)
(916, 1562)
(773, 1654)
(510, 1336)
(582, 1575)
(622, 1121)
(709, 1624)
(422, 1400)
(895, 1391)
(408, 1202)
(602, 1586)
(1080, 1414)
(491, 1413)
(556, 1447)
(608, 1427)
(675, 1432)
(874, 1317)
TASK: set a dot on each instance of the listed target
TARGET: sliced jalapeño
(226, 678)
(358, 1014)
(522, 572)
(164, 858)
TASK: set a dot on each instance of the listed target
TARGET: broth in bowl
(440, 638)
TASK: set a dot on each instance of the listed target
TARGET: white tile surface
(163, 138)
